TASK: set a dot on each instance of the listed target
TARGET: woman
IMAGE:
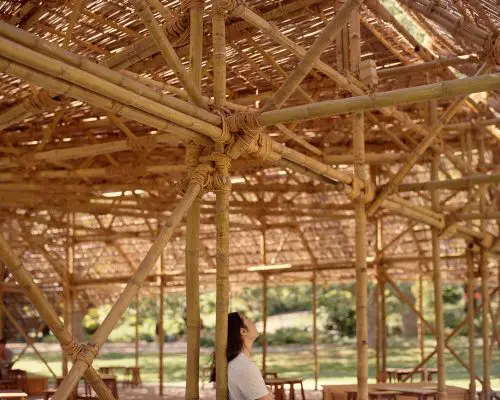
(244, 379)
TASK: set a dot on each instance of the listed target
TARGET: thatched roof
(70, 169)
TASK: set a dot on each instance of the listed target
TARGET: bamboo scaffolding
(306, 64)
(461, 183)
(132, 288)
(315, 329)
(168, 52)
(47, 312)
(263, 255)
(441, 90)
(434, 131)
(420, 306)
(471, 325)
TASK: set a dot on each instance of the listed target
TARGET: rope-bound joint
(492, 48)
(221, 163)
(41, 101)
(88, 352)
(202, 176)
(224, 7)
(248, 127)
(356, 192)
(72, 349)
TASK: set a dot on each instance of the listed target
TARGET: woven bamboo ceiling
(75, 173)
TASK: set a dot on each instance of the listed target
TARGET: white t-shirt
(244, 379)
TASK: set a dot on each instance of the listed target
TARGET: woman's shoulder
(241, 361)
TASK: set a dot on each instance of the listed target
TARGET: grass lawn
(337, 362)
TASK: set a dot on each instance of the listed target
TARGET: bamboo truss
(283, 107)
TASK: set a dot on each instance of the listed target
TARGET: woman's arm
(266, 397)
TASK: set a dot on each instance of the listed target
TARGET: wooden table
(279, 387)
(421, 393)
(375, 394)
(400, 374)
(13, 395)
(339, 392)
(132, 375)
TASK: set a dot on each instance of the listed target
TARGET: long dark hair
(234, 342)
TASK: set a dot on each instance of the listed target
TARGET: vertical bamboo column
(384, 319)
(67, 294)
(360, 219)
(263, 254)
(315, 329)
(137, 316)
(436, 273)
(470, 286)
(2, 278)
(221, 210)
(483, 265)
(193, 218)
(420, 326)
(264, 321)
(161, 331)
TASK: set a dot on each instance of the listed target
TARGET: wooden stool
(48, 393)
(132, 377)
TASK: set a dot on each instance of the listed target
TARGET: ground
(337, 361)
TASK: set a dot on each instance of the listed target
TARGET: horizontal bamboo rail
(370, 158)
(462, 183)
(426, 66)
(441, 90)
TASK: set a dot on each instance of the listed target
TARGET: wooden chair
(20, 377)
(132, 377)
(6, 384)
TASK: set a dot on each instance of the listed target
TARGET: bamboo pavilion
(180, 145)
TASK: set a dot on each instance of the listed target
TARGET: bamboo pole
(264, 322)
(77, 92)
(263, 255)
(436, 273)
(431, 66)
(222, 208)
(471, 325)
(483, 269)
(306, 64)
(420, 305)
(168, 52)
(433, 133)
(315, 329)
(161, 333)
(67, 318)
(360, 227)
(132, 287)
(137, 319)
(2, 291)
(460, 183)
(47, 312)
(380, 372)
(440, 90)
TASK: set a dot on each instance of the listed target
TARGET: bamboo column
(420, 306)
(314, 327)
(137, 317)
(193, 218)
(2, 278)
(380, 303)
(263, 253)
(360, 219)
(264, 321)
(161, 331)
(471, 283)
(222, 208)
(436, 273)
(483, 265)
(67, 295)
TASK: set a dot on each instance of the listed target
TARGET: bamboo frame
(161, 333)
(315, 328)
(263, 254)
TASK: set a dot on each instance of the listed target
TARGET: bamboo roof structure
(97, 107)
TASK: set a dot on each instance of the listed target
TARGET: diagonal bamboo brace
(197, 182)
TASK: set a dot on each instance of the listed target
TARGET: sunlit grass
(337, 362)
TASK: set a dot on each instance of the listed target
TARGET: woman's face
(250, 333)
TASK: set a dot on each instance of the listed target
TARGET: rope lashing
(450, 227)
(224, 6)
(143, 143)
(72, 349)
(41, 101)
(356, 192)
(193, 151)
(262, 148)
(221, 162)
(487, 241)
(224, 114)
(88, 352)
(202, 175)
(186, 5)
(247, 123)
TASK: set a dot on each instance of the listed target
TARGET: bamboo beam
(461, 183)
(441, 90)
(132, 288)
(263, 254)
(137, 319)
(2, 291)
(430, 66)
(471, 325)
(306, 64)
(47, 312)
(420, 327)
(168, 52)
(48, 49)
(96, 100)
